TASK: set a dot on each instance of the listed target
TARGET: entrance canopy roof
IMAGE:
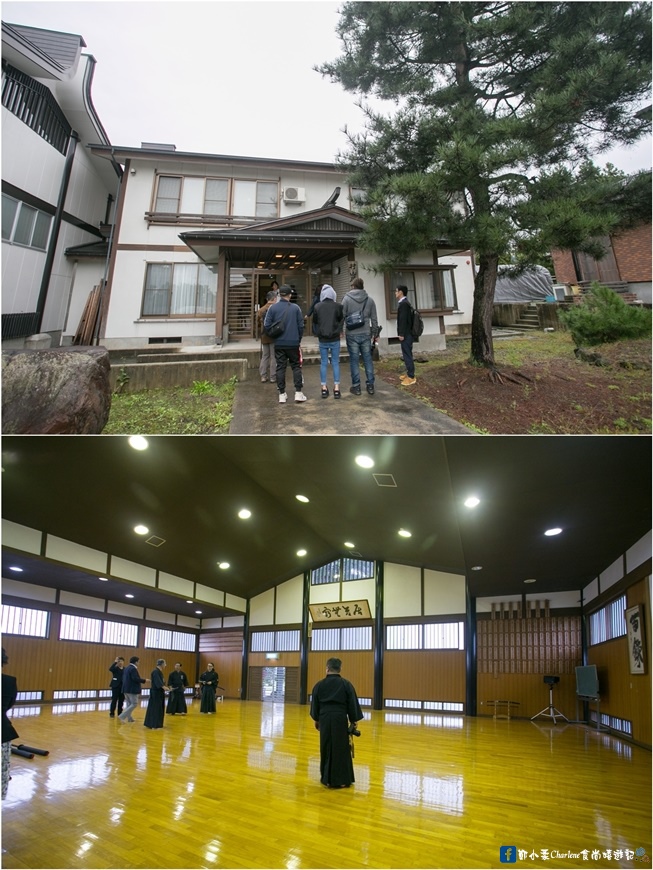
(310, 239)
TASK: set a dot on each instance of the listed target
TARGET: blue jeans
(333, 348)
(360, 344)
(131, 705)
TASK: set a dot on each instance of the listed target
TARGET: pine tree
(498, 109)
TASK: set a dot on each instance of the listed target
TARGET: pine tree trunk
(482, 351)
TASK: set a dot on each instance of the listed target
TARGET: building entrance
(247, 292)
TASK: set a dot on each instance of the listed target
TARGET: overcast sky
(218, 76)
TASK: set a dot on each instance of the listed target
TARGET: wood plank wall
(225, 650)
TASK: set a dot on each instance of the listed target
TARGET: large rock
(62, 391)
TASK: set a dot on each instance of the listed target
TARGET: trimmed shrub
(604, 317)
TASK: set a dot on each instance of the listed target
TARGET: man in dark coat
(405, 334)
(117, 697)
(156, 705)
(131, 687)
(334, 708)
(177, 681)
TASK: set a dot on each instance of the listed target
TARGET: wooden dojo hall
(489, 598)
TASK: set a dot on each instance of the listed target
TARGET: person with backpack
(327, 325)
(286, 318)
(405, 334)
(359, 311)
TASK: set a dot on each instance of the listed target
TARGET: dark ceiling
(188, 491)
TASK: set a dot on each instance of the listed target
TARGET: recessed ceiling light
(472, 501)
(198, 611)
(15, 568)
(141, 530)
(129, 595)
(405, 533)
(530, 580)
(244, 514)
(365, 461)
(551, 532)
(477, 567)
(301, 552)
(189, 601)
(223, 565)
(138, 442)
(349, 544)
(302, 498)
(104, 579)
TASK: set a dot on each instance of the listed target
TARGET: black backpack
(417, 324)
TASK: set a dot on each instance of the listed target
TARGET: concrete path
(390, 411)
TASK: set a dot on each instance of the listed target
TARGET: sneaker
(356, 389)
(300, 397)
(283, 397)
(403, 377)
(370, 389)
(264, 380)
(408, 382)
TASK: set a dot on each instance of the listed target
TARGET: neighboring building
(199, 238)
(626, 266)
(56, 195)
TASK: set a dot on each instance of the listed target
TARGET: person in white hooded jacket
(328, 319)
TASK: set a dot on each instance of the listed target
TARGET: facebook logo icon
(508, 854)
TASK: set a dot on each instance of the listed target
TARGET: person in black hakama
(177, 681)
(334, 707)
(117, 697)
(157, 701)
(209, 684)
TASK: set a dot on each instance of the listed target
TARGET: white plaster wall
(443, 593)
(22, 269)
(289, 601)
(639, 552)
(261, 609)
(28, 161)
(402, 591)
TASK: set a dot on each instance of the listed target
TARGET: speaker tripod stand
(550, 712)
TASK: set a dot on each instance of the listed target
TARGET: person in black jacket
(334, 708)
(177, 682)
(328, 319)
(117, 697)
(405, 334)
(9, 733)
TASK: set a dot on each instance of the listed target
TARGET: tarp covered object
(532, 285)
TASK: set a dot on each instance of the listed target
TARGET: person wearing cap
(286, 346)
(9, 733)
(328, 319)
(267, 364)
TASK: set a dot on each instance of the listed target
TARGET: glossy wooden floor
(241, 789)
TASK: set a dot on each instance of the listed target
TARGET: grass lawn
(203, 409)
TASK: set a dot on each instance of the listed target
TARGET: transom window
(608, 622)
(430, 288)
(24, 620)
(24, 225)
(343, 569)
(226, 197)
(179, 290)
(432, 635)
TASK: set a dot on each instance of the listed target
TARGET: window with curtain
(24, 225)
(216, 196)
(179, 290)
(197, 195)
(168, 194)
(24, 620)
(429, 288)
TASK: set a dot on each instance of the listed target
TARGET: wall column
(304, 642)
(471, 661)
(377, 700)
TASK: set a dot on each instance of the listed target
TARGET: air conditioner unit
(294, 194)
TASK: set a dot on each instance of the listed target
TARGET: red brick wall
(563, 264)
(632, 250)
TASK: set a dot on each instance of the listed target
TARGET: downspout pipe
(54, 235)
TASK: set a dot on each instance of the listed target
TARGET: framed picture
(635, 632)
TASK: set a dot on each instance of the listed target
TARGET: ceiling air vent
(384, 480)
(154, 541)
(294, 194)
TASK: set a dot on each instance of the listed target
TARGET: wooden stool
(502, 708)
